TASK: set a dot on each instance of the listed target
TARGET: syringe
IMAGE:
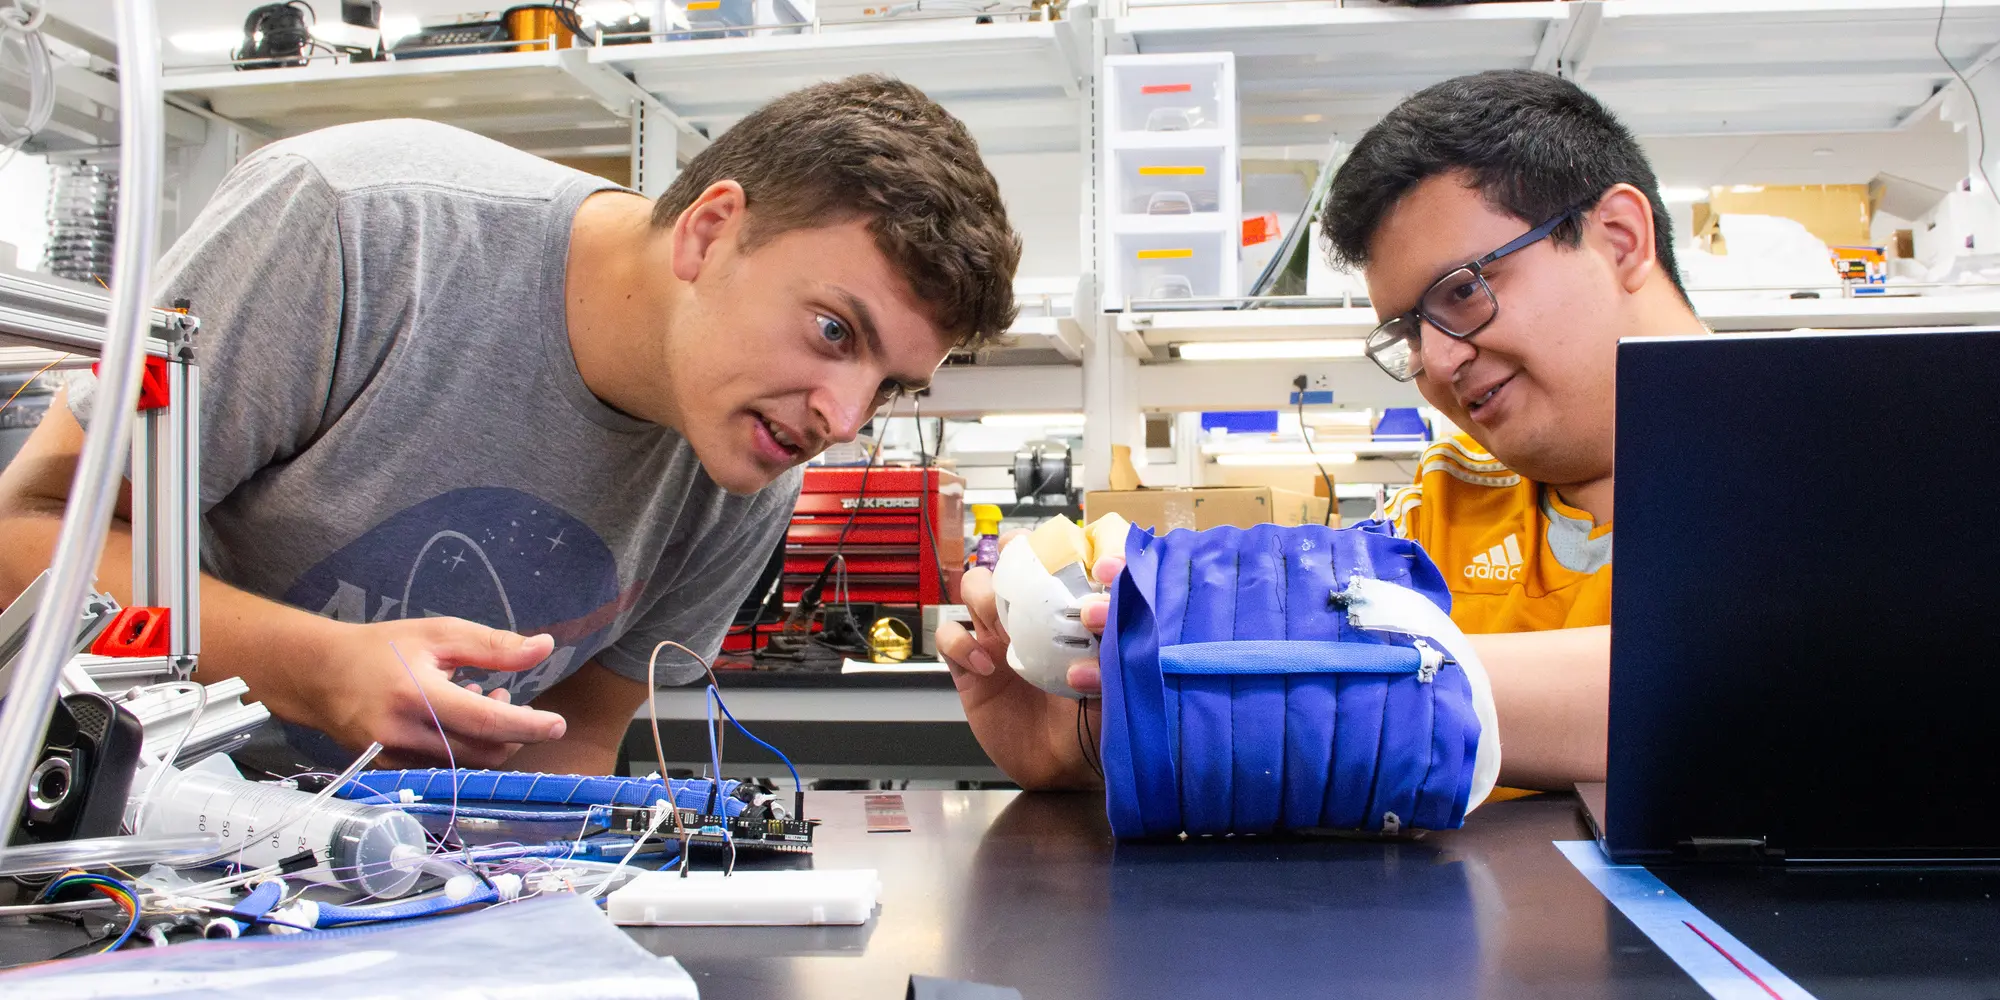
(376, 849)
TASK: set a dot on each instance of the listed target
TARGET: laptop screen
(1805, 650)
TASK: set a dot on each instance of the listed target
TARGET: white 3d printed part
(746, 898)
(1381, 606)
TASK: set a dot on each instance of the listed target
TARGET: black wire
(1326, 521)
(924, 507)
(862, 494)
(1034, 490)
(1937, 35)
(841, 595)
(1086, 740)
(90, 947)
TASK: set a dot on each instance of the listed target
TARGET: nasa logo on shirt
(493, 555)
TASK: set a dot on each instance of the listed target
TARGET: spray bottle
(986, 525)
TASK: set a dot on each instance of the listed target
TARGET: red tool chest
(892, 561)
(891, 557)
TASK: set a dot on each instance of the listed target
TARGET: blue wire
(798, 786)
(714, 752)
(130, 926)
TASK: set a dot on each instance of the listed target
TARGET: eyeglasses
(1459, 305)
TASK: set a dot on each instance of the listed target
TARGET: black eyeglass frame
(1398, 329)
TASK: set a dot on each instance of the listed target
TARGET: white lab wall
(24, 200)
(1044, 196)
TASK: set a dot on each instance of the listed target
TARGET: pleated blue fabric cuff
(1288, 678)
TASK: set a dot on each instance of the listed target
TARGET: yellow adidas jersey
(1516, 558)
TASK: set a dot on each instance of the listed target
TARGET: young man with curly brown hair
(468, 409)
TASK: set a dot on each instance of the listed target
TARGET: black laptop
(1805, 645)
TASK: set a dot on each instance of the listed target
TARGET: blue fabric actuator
(1289, 678)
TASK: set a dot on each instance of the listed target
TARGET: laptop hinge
(1751, 849)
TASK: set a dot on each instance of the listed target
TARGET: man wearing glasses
(1511, 234)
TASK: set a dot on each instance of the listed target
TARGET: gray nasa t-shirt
(392, 421)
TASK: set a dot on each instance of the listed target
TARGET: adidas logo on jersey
(1501, 562)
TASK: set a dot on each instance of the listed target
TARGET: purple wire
(451, 822)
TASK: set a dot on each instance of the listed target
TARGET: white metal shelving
(551, 102)
(1667, 67)
(1728, 312)
(1306, 71)
(1724, 310)
(1015, 85)
(85, 116)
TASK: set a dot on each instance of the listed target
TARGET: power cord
(1937, 36)
(924, 505)
(798, 625)
(1086, 738)
(1300, 384)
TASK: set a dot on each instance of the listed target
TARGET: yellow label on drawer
(1181, 254)
(1172, 171)
(705, 5)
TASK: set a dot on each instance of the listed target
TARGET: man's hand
(361, 692)
(342, 679)
(1030, 734)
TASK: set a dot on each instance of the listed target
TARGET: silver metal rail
(99, 470)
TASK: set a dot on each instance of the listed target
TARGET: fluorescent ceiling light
(221, 42)
(1268, 350)
(1032, 420)
(1683, 195)
(1287, 458)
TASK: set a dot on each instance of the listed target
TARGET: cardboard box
(1838, 214)
(1206, 507)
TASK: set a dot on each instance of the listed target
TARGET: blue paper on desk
(576, 953)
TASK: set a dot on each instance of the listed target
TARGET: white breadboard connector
(746, 898)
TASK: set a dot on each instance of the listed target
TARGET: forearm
(265, 643)
(575, 753)
(1076, 767)
(1552, 690)
(599, 706)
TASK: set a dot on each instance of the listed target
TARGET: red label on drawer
(1167, 88)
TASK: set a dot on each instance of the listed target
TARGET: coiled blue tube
(261, 900)
(437, 786)
(334, 915)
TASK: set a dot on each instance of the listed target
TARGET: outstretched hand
(391, 683)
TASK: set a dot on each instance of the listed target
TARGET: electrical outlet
(1318, 378)
(1318, 383)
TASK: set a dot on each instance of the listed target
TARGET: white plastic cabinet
(1171, 195)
